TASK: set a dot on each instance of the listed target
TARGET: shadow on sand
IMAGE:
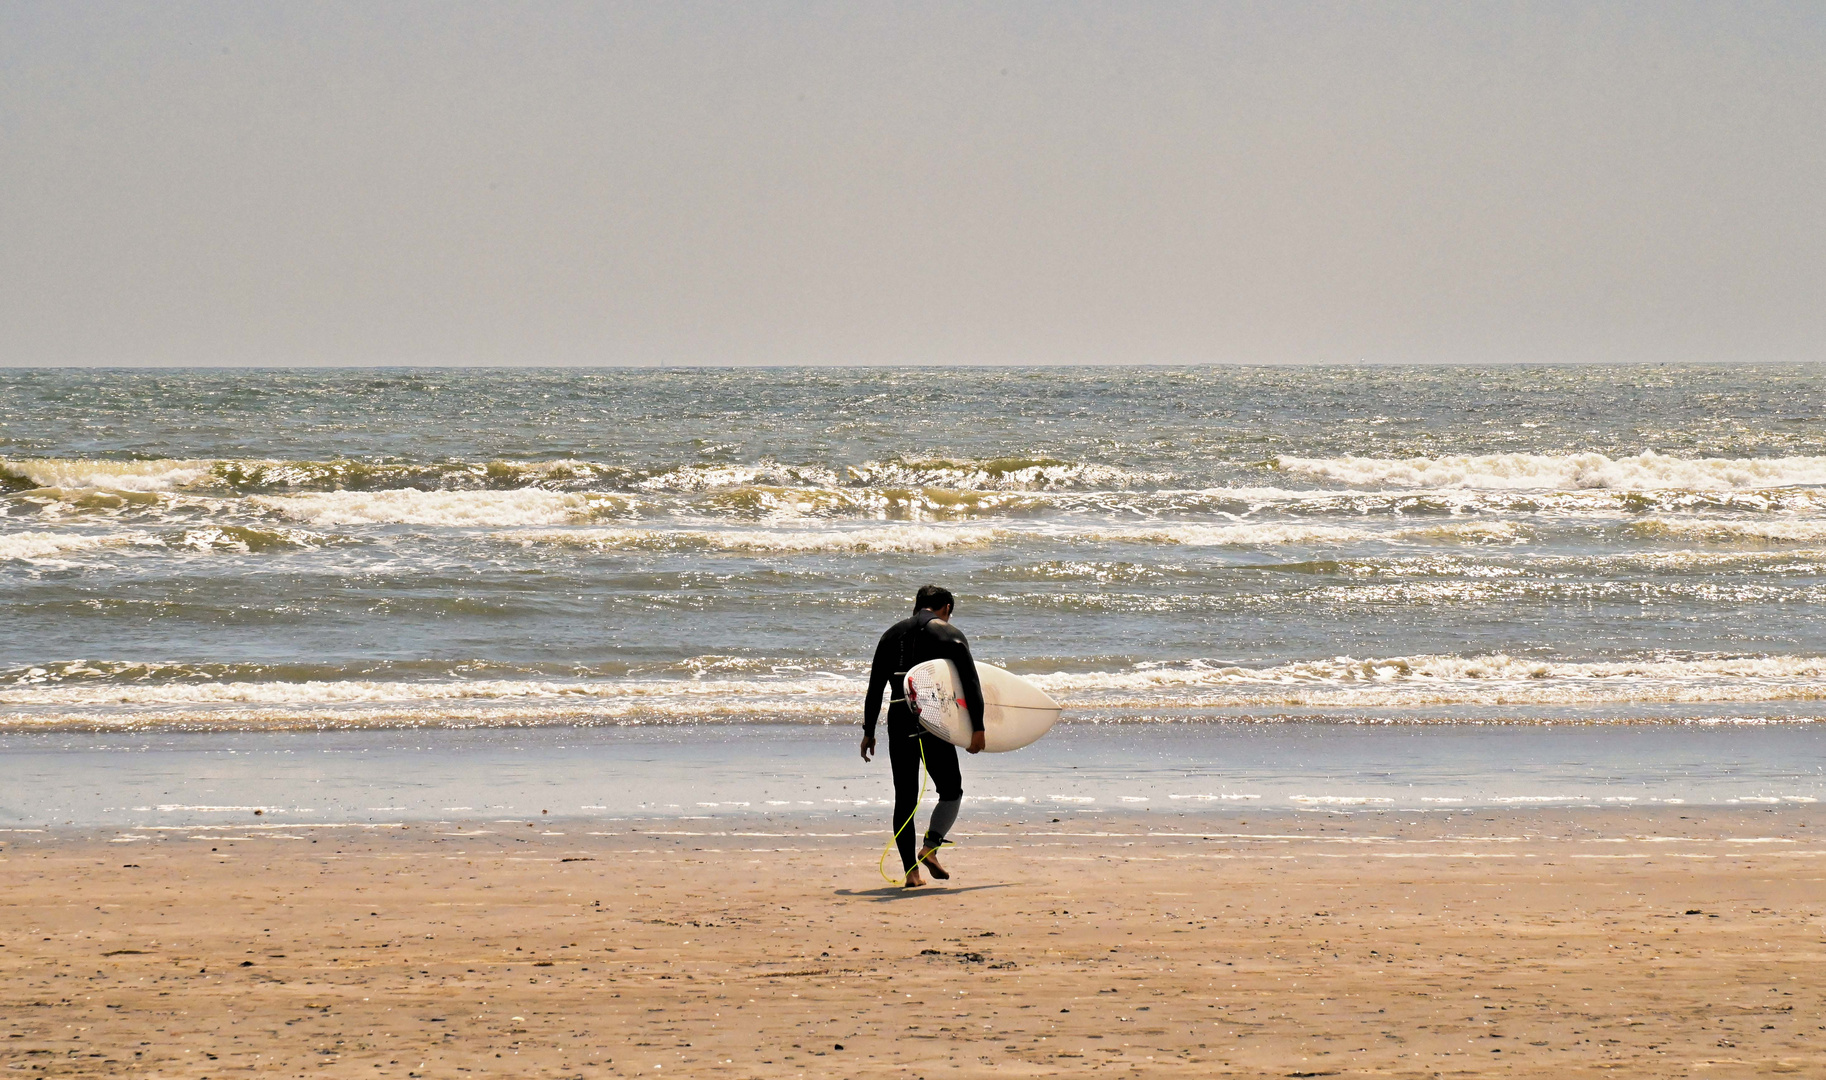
(895, 892)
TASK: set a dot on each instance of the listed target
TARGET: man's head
(933, 598)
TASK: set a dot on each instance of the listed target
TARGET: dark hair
(931, 598)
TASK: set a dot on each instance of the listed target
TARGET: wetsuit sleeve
(953, 646)
(879, 671)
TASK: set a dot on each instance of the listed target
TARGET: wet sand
(1536, 944)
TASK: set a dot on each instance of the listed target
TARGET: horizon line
(909, 365)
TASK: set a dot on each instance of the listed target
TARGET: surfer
(927, 635)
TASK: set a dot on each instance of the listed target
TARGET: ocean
(216, 551)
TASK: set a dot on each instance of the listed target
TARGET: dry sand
(1548, 944)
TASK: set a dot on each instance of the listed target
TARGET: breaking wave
(1403, 492)
(367, 691)
(463, 509)
(61, 549)
(1000, 474)
(1522, 472)
(241, 538)
(161, 475)
(38, 697)
(267, 476)
(692, 478)
(914, 539)
(1495, 667)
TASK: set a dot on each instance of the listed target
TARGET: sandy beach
(1547, 944)
(482, 485)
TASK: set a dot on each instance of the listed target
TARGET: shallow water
(221, 549)
(734, 774)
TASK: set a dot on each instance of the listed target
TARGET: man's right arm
(879, 672)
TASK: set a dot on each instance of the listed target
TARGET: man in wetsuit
(928, 635)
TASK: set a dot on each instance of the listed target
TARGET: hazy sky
(747, 182)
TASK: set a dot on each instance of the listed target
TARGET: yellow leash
(889, 846)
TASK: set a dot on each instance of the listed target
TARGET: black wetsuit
(909, 642)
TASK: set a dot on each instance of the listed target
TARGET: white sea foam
(1404, 682)
(241, 538)
(1345, 671)
(942, 503)
(56, 548)
(410, 506)
(1525, 799)
(50, 547)
(1000, 474)
(714, 476)
(1227, 797)
(1441, 680)
(1339, 800)
(1520, 472)
(914, 538)
(737, 695)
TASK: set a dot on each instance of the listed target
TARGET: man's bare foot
(929, 859)
(913, 881)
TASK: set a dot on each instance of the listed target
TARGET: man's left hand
(976, 742)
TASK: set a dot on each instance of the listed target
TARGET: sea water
(217, 551)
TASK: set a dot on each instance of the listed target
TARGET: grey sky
(256, 183)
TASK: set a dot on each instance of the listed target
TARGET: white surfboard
(1015, 711)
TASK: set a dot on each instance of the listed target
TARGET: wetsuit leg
(941, 763)
(903, 759)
